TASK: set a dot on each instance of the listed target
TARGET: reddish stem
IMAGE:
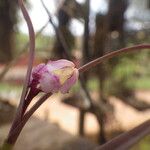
(31, 55)
(16, 131)
(30, 64)
(112, 54)
(127, 139)
(32, 93)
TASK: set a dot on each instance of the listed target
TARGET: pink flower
(55, 76)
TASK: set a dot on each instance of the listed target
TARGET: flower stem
(12, 138)
(18, 116)
(127, 139)
(112, 54)
(31, 55)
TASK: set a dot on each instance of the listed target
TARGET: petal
(54, 65)
(36, 74)
(64, 74)
(49, 83)
(70, 82)
(38, 70)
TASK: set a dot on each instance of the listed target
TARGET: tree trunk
(7, 21)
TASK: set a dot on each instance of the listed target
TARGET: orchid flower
(54, 76)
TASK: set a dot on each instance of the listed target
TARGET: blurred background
(108, 100)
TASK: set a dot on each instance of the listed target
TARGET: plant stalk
(99, 60)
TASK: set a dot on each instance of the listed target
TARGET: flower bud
(55, 76)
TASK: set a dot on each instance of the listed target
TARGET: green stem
(7, 146)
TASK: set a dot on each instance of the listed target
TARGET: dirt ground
(67, 117)
(41, 135)
(56, 124)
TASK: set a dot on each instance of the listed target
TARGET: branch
(66, 51)
(58, 32)
(133, 102)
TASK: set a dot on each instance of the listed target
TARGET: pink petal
(38, 70)
(49, 83)
(54, 65)
(36, 74)
(70, 82)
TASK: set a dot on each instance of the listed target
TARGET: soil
(55, 125)
(41, 135)
(7, 112)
